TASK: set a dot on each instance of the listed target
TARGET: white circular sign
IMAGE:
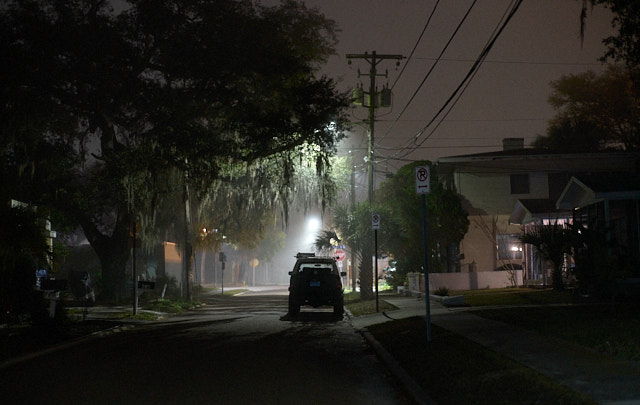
(423, 180)
(375, 221)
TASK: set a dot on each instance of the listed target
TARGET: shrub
(441, 291)
(597, 266)
(172, 291)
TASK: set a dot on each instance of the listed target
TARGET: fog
(301, 234)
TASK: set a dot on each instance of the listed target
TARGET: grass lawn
(235, 291)
(455, 370)
(595, 326)
(170, 306)
(360, 307)
(516, 296)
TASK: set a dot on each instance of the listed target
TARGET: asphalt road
(236, 350)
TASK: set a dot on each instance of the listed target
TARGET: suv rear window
(322, 267)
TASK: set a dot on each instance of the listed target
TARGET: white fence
(467, 281)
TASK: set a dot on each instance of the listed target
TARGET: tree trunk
(113, 252)
(203, 266)
(354, 271)
(556, 278)
(113, 264)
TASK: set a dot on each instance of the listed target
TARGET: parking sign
(423, 180)
(375, 221)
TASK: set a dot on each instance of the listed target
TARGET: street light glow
(313, 224)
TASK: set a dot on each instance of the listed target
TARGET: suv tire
(294, 308)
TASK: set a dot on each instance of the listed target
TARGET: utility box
(385, 97)
(358, 96)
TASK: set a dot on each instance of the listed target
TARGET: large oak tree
(594, 112)
(624, 45)
(151, 88)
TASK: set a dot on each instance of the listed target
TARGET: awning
(527, 210)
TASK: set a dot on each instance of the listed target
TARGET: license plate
(314, 284)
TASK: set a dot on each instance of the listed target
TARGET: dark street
(234, 350)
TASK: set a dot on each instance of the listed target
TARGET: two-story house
(506, 191)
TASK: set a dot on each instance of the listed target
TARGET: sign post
(423, 187)
(134, 230)
(223, 258)
(375, 225)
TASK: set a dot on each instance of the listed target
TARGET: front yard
(359, 307)
(453, 369)
(598, 325)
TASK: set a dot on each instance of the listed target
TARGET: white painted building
(507, 190)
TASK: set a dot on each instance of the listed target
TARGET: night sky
(506, 98)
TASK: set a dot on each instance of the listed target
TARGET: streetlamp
(313, 225)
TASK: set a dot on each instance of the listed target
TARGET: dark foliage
(23, 250)
(118, 98)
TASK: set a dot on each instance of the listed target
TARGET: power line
(416, 44)
(463, 84)
(476, 120)
(446, 46)
(471, 138)
(471, 75)
(448, 147)
(515, 62)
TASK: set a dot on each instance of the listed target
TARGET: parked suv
(315, 281)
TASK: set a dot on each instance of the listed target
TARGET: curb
(64, 345)
(411, 387)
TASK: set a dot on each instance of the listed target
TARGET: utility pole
(187, 239)
(352, 257)
(134, 236)
(375, 99)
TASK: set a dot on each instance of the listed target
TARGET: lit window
(509, 247)
(556, 221)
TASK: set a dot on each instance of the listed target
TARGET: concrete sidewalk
(601, 377)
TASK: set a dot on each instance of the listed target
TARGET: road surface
(235, 350)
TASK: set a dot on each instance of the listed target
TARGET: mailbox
(53, 285)
(146, 285)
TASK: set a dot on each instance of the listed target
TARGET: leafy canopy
(623, 46)
(129, 96)
(447, 222)
(594, 112)
(400, 234)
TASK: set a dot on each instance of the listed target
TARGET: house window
(520, 183)
(509, 247)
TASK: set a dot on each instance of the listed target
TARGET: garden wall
(466, 281)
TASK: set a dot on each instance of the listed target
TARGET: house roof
(611, 182)
(585, 190)
(502, 153)
(529, 152)
(540, 160)
(526, 210)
